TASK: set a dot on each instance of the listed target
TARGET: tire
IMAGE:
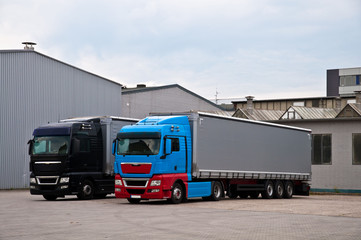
(288, 189)
(217, 190)
(177, 194)
(133, 200)
(232, 192)
(86, 191)
(279, 190)
(268, 191)
(50, 197)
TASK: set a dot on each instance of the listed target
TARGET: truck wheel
(279, 189)
(177, 194)
(269, 190)
(50, 197)
(288, 189)
(217, 190)
(86, 190)
(133, 200)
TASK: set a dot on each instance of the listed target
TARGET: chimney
(358, 99)
(338, 104)
(29, 45)
(141, 85)
(250, 104)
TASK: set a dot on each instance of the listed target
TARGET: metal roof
(260, 115)
(313, 113)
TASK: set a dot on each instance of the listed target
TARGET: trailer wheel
(288, 189)
(50, 197)
(217, 190)
(86, 190)
(269, 190)
(177, 194)
(133, 200)
(279, 189)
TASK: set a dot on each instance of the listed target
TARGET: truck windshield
(54, 145)
(133, 146)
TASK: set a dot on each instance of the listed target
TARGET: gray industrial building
(140, 101)
(36, 89)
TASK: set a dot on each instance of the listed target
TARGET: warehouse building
(140, 101)
(36, 89)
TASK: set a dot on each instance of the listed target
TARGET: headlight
(155, 183)
(64, 180)
(118, 182)
(32, 180)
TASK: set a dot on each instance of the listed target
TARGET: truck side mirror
(30, 143)
(113, 148)
(168, 146)
(75, 146)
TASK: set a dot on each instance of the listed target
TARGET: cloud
(240, 48)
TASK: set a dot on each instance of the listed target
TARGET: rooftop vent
(141, 85)
(29, 45)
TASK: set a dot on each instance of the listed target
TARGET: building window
(321, 149)
(356, 148)
(350, 80)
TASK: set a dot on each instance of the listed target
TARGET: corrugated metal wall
(36, 89)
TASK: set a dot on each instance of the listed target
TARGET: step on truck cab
(188, 155)
(73, 157)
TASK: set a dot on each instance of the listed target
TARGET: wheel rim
(269, 190)
(87, 190)
(177, 193)
(280, 190)
(217, 191)
(289, 189)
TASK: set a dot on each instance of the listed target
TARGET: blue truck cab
(153, 160)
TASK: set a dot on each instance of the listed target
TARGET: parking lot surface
(25, 216)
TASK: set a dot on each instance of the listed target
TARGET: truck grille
(136, 182)
(47, 180)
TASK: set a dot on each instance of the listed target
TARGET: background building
(140, 101)
(36, 89)
(343, 82)
(336, 140)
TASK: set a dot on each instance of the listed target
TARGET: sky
(267, 49)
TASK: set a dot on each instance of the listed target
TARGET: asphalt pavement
(25, 216)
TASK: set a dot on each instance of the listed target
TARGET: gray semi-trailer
(73, 157)
(184, 155)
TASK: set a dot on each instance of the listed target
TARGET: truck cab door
(178, 155)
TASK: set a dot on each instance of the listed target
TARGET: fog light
(117, 189)
(63, 187)
(153, 190)
(32, 187)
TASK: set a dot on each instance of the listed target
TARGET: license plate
(134, 196)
